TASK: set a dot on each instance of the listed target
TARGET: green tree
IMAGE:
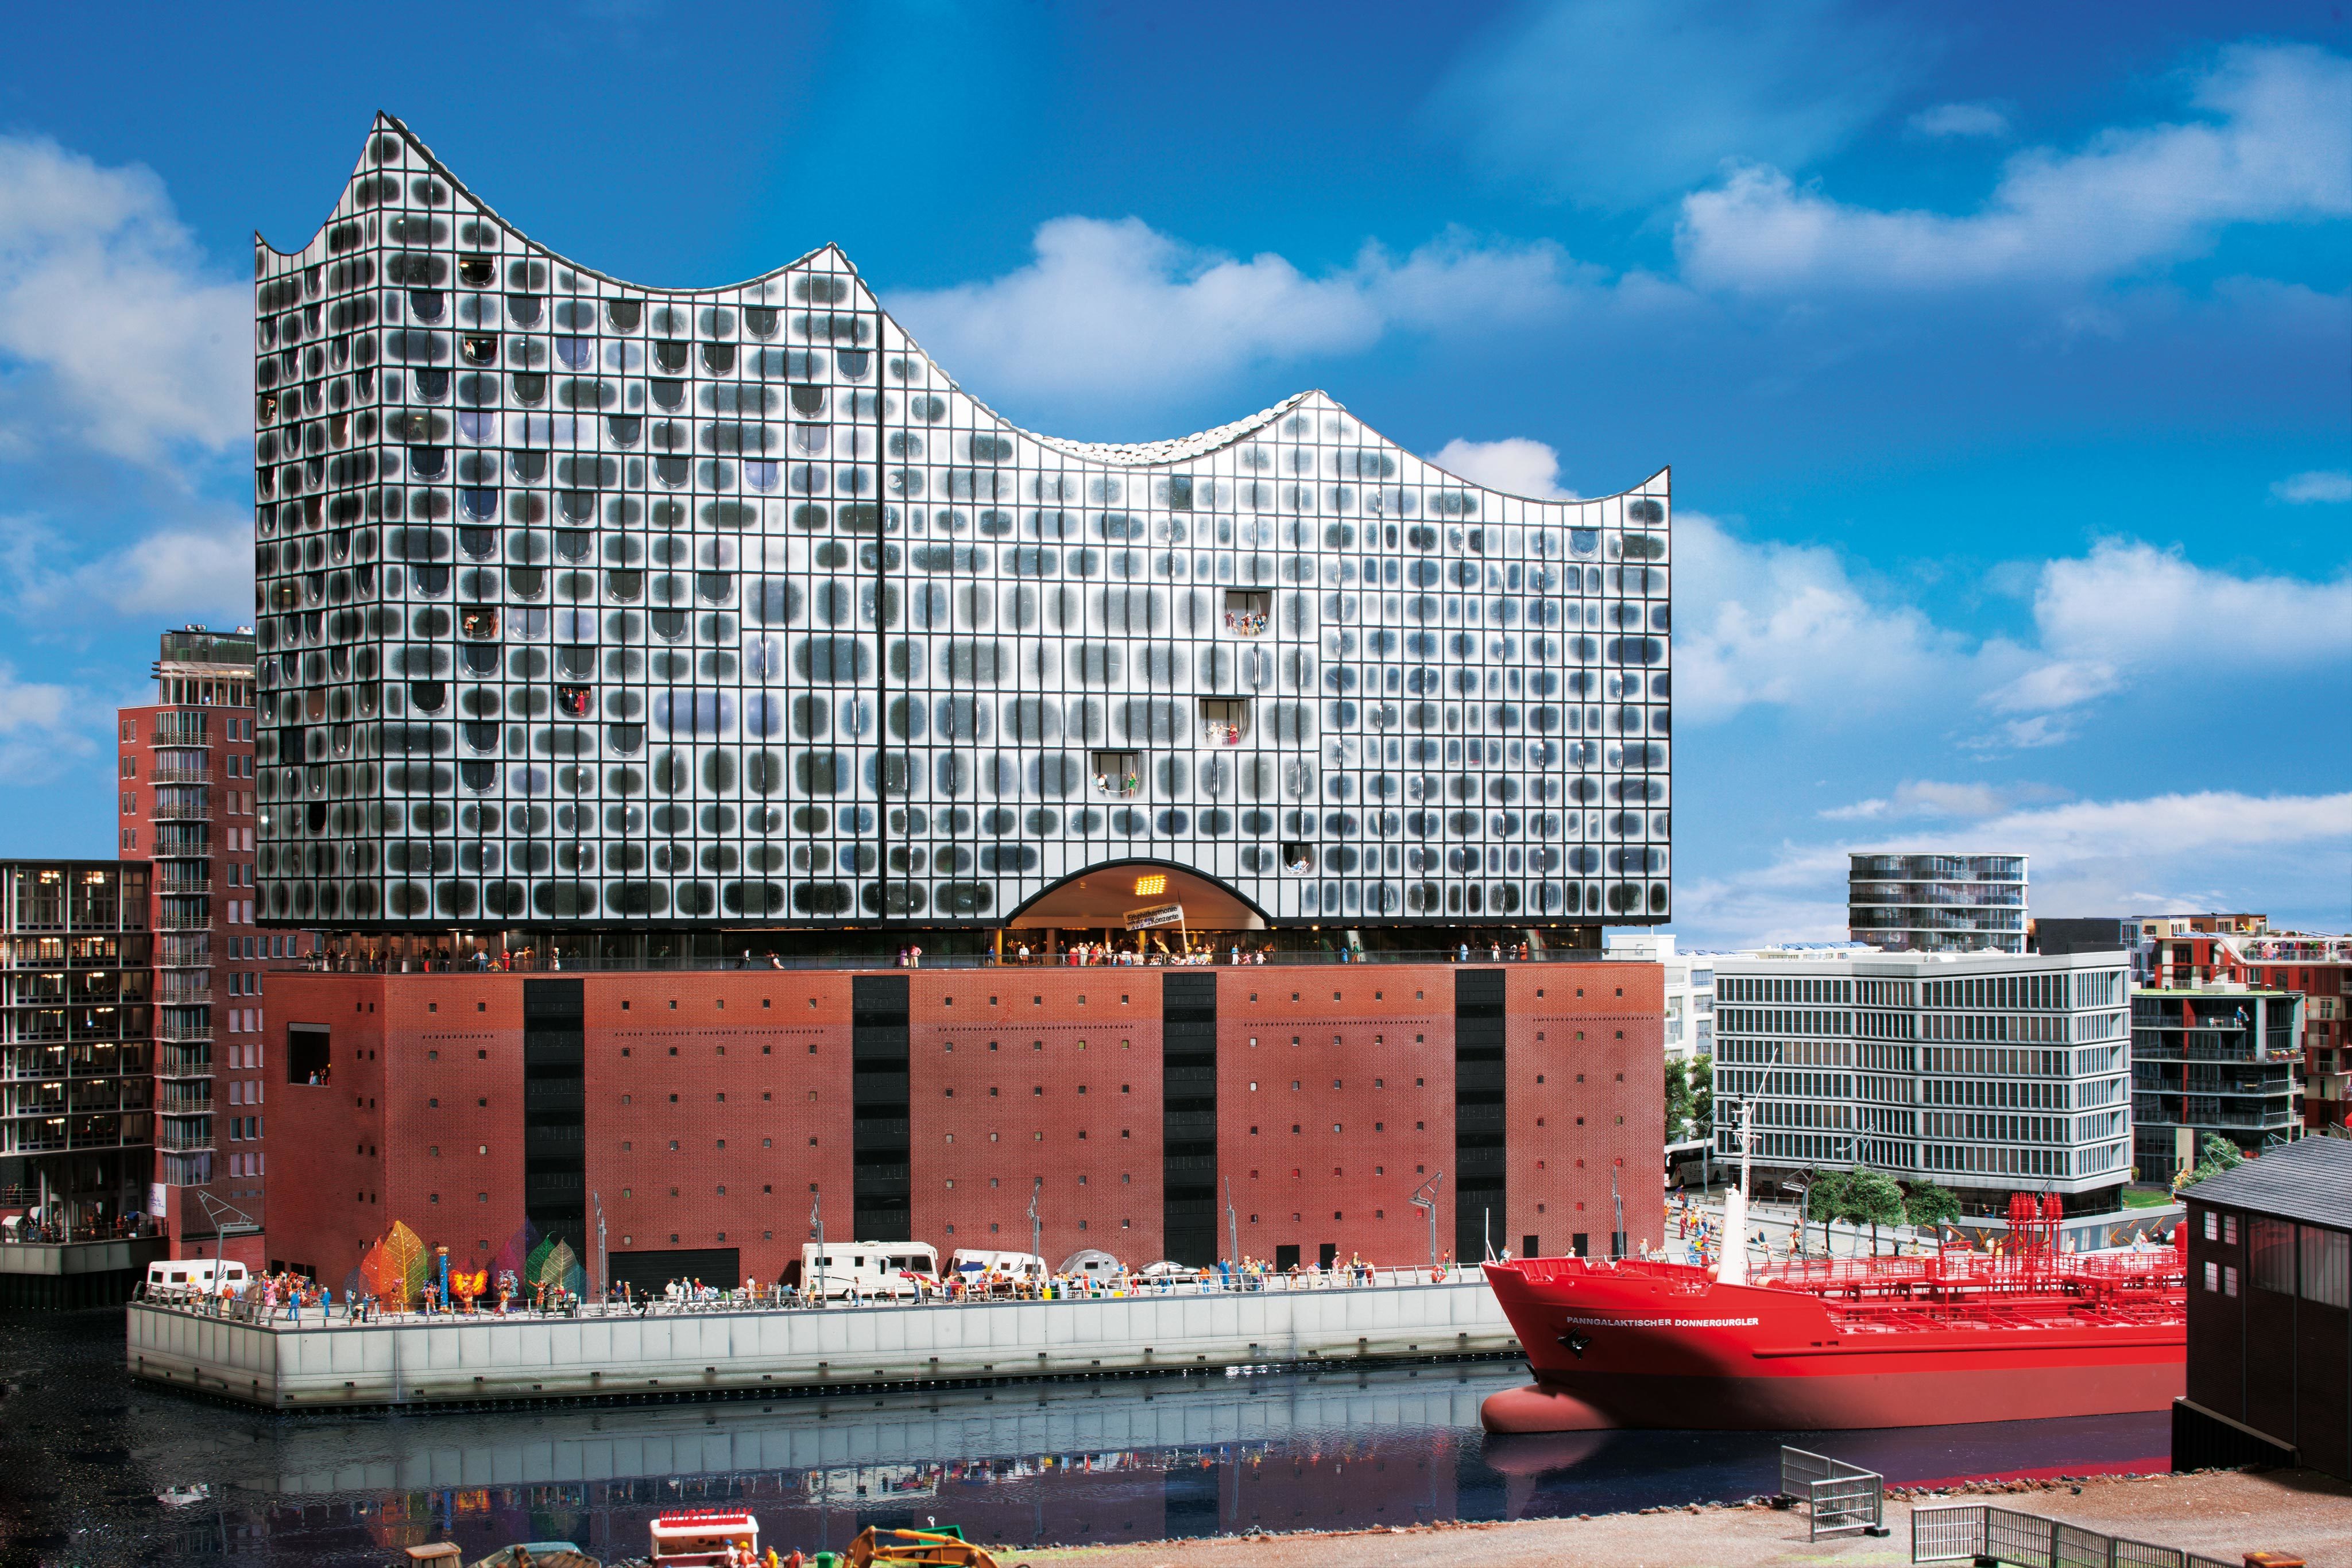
(1702, 1086)
(2219, 1155)
(1872, 1199)
(1825, 1200)
(1929, 1205)
(1678, 1100)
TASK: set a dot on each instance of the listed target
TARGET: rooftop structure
(596, 607)
(1937, 903)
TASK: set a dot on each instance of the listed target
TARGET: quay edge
(422, 1363)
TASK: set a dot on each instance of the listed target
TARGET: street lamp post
(1037, 1226)
(1425, 1196)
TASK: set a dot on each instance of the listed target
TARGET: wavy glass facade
(587, 603)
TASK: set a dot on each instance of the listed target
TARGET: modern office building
(78, 1093)
(1937, 903)
(2223, 1059)
(1988, 1073)
(614, 610)
(187, 807)
(635, 628)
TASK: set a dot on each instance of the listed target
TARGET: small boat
(539, 1555)
(181, 1497)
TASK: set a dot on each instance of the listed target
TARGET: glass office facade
(587, 603)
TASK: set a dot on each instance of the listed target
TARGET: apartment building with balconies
(187, 810)
(77, 1086)
(2220, 1059)
(1906, 902)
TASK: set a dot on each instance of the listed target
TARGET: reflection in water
(1072, 1463)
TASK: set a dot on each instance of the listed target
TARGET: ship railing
(1843, 1498)
(1987, 1534)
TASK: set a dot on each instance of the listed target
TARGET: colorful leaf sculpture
(395, 1269)
(514, 1258)
(532, 1266)
(556, 1268)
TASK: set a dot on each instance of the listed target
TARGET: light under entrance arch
(1101, 897)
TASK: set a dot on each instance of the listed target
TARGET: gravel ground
(2223, 1514)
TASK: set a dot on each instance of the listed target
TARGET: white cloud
(1785, 625)
(1117, 310)
(41, 725)
(1960, 119)
(1931, 797)
(2112, 857)
(104, 297)
(1615, 105)
(2276, 145)
(202, 566)
(2318, 484)
(2060, 684)
(1515, 465)
(2131, 603)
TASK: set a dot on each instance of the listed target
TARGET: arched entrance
(1095, 905)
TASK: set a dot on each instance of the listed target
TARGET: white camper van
(984, 1270)
(181, 1278)
(873, 1270)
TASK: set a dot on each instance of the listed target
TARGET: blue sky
(2003, 356)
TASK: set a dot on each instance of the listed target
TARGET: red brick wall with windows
(1584, 1066)
(1073, 1059)
(714, 1100)
(748, 1074)
(1370, 1052)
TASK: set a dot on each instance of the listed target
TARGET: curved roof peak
(433, 184)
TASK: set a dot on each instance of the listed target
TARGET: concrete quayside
(416, 1360)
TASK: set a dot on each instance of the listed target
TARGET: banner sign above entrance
(1157, 915)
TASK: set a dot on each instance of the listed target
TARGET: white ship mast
(1732, 1268)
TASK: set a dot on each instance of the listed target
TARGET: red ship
(1949, 1337)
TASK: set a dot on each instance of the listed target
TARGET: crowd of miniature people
(54, 1228)
(1248, 623)
(446, 959)
(292, 1296)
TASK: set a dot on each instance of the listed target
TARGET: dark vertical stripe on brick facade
(1478, 1154)
(1188, 1098)
(554, 1116)
(882, 1190)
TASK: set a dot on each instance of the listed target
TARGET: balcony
(176, 1139)
(174, 919)
(1248, 613)
(172, 774)
(184, 1100)
(181, 990)
(186, 1061)
(182, 811)
(182, 1030)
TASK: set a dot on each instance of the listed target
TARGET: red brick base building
(1153, 1112)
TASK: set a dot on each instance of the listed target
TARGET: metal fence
(1987, 1534)
(1843, 1498)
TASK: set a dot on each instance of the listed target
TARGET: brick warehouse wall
(715, 1099)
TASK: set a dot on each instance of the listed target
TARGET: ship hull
(1627, 1349)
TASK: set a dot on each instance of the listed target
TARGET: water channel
(83, 1451)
